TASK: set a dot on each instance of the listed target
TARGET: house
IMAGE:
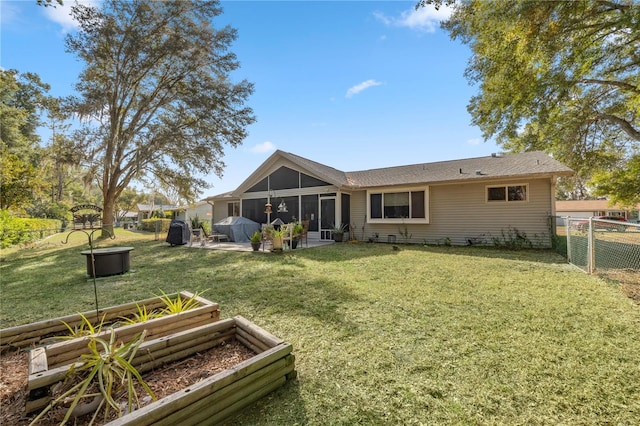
(458, 202)
(202, 210)
(588, 208)
(146, 211)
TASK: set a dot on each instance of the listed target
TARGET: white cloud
(424, 19)
(362, 86)
(61, 15)
(9, 13)
(263, 147)
(474, 141)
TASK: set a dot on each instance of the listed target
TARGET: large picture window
(507, 193)
(397, 206)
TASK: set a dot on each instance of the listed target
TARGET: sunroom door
(327, 217)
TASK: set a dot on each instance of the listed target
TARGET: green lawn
(423, 335)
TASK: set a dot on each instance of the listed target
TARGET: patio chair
(304, 236)
(197, 235)
(288, 234)
(214, 237)
(266, 235)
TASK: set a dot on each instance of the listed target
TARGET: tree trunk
(107, 215)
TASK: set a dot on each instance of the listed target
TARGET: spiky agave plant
(141, 315)
(177, 305)
(103, 373)
(86, 328)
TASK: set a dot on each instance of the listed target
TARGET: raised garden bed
(41, 332)
(210, 400)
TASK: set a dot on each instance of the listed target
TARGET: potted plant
(256, 240)
(338, 232)
(277, 235)
(298, 230)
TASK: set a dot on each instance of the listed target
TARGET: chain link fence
(609, 248)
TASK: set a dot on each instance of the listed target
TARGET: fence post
(567, 220)
(591, 248)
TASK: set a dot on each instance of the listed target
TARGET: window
(396, 206)
(233, 208)
(507, 193)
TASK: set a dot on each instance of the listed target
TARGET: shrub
(17, 230)
(197, 223)
(150, 225)
(512, 239)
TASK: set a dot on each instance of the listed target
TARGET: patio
(233, 246)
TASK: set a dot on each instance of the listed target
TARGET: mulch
(163, 382)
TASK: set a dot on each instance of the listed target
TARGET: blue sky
(354, 85)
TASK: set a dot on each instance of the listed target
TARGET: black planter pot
(256, 246)
(294, 243)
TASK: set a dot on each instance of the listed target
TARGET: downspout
(554, 181)
(211, 204)
(552, 218)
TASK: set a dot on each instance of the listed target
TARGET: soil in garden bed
(163, 381)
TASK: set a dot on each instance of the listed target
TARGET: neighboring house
(588, 208)
(202, 209)
(128, 216)
(458, 202)
(145, 211)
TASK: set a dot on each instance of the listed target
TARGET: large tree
(560, 76)
(157, 90)
(22, 99)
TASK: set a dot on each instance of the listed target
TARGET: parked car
(583, 225)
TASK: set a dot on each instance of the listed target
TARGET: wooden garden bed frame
(211, 400)
(35, 334)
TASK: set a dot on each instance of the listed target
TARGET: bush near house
(18, 230)
(150, 224)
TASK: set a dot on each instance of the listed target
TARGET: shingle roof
(150, 207)
(527, 164)
(321, 171)
(490, 167)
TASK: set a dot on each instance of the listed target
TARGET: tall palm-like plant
(103, 373)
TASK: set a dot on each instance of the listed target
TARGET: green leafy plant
(298, 229)
(404, 233)
(512, 239)
(256, 237)
(85, 328)
(197, 223)
(339, 229)
(141, 315)
(178, 304)
(103, 373)
(277, 233)
(446, 241)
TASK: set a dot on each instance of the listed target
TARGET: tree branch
(624, 125)
(620, 84)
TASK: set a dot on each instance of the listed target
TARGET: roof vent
(496, 155)
(479, 172)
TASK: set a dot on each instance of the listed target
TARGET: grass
(423, 335)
